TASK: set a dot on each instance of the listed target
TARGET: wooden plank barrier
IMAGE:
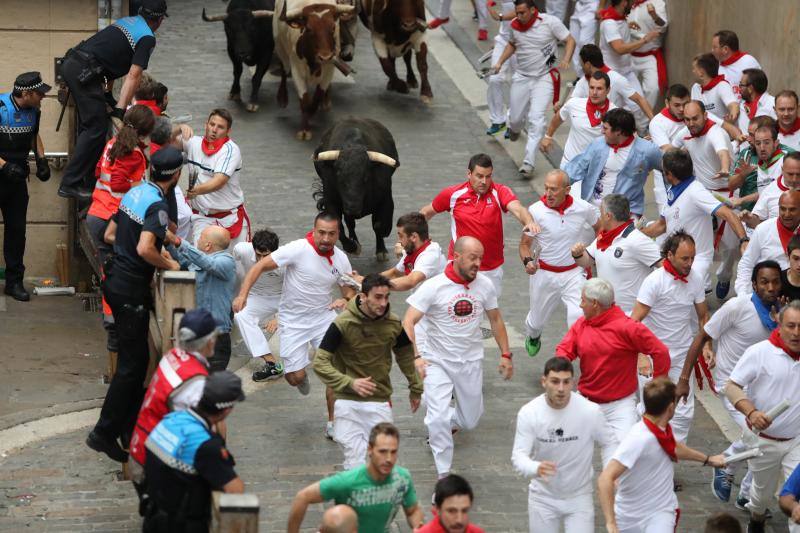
(234, 513)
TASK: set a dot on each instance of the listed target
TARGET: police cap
(31, 81)
(196, 324)
(153, 9)
(222, 390)
(166, 162)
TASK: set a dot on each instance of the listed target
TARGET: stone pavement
(276, 435)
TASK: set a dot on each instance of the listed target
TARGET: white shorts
(295, 340)
(496, 277)
(657, 522)
(200, 222)
(352, 423)
(250, 321)
(546, 514)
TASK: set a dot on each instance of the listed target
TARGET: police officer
(19, 134)
(121, 49)
(187, 459)
(137, 230)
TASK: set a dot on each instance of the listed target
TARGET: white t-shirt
(619, 93)
(733, 72)
(769, 376)
(734, 327)
(691, 212)
(565, 437)
(581, 131)
(625, 264)
(646, 487)
(612, 30)
(454, 314)
(717, 98)
(430, 262)
(228, 161)
(765, 243)
(642, 18)
(764, 106)
(536, 48)
(769, 174)
(308, 281)
(664, 130)
(705, 158)
(767, 204)
(672, 313)
(792, 140)
(504, 29)
(560, 232)
(608, 176)
(269, 284)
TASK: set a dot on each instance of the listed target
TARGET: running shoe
(304, 387)
(533, 345)
(483, 35)
(496, 128)
(722, 289)
(269, 372)
(526, 171)
(435, 23)
(721, 484)
(329, 431)
(755, 527)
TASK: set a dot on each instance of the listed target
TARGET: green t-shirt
(375, 503)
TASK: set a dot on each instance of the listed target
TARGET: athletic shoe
(526, 171)
(329, 431)
(304, 387)
(722, 289)
(435, 23)
(483, 35)
(496, 128)
(533, 345)
(755, 527)
(512, 135)
(111, 448)
(721, 484)
(270, 371)
(741, 504)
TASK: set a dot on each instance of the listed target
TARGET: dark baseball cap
(166, 162)
(31, 81)
(222, 390)
(153, 9)
(198, 322)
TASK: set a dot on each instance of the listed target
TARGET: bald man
(215, 268)
(339, 519)
(451, 361)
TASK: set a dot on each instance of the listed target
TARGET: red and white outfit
(770, 374)
(716, 95)
(763, 105)
(558, 277)
(648, 61)
(733, 67)
(769, 240)
(583, 27)
(767, 204)
(223, 207)
(454, 352)
(619, 93)
(624, 257)
(617, 157)
(116, 178)
(263, 300)
(608, 346)
(704, 149)
(480, 8)
(565, 437)
(790, 137)
(497, 84)
(585, 124)
(536, 82)
(672, 318)
(664, 129)
(308, 280)
(645, 499)
(479, 216)
(770, 170)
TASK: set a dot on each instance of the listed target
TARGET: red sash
(555, 76)
(596, 113)
(605, 238)
(408, 262)
(554, 268)
(665, 438)
(561, 208)
(212, 147)
(327, 255)
(701, 369)
(236, 228)
(661, 66)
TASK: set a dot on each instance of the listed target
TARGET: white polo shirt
(536, 48)
(769, 172)
(269, 284)
(764, 106)
(560, 232)
(308, 282)
(642, 18)
(228, 161)
(625, 264)
(619, 93)
(691, 212)
(705, 158)
(646, 487)
(664, 128)
(790, 138)
(454, 314)
(734, 327)
(733, 72)
(717, 98)
(765, 243)
(612, 30)
(430, 262)
(770, 376)
(581, 131)
(767, 204)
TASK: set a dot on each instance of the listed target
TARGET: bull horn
(261, 13)
(291, 14)
(213, 18)
(343, 9)
(422, 25)
(377, 157)
(328, 155)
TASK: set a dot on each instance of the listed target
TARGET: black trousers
(14, 207)
(222, 353)
(92, 124)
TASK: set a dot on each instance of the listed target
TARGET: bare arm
(508, 51)
(569, 49)
(302, 500)
(622, 48)
(146, 248)
(684, 453)
(554, 124)
(110, 235)
(264, 264)
(214, 184)
(605, 486)
(406, 282)
(655, 229)
(525, 251)
(428, 211)
(414, 516)
(640, 311)
(581, 256)
(414, 315)
(696, 348)
(724, 161)
(643, 104)
(129, 87)
(524, 216)
(727, 214)
(506, 368)
(234, 486)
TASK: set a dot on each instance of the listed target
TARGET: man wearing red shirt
(608, 344)
(476, 210)
(452, 501)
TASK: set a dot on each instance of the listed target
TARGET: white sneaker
(329, 431)
(305, 387)
(526, 170)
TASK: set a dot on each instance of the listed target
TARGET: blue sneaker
(722, 289)
(721, 484)
(496, 128)
(507, 134)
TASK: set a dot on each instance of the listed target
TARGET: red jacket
(434, 526)
(608, 346)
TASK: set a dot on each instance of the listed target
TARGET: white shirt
(792, 140)
(733, 72)
(581, 131)
(672, 313)
(504, 29)
(454, 314)
(646, 487)
(767, 204)
(430, 262)
(560, 232)
(765, 243)
(734, 327)
(536, 48)
(608, 176)
(769, 174)
(717, 98)
(640, 16)
(769, 376)
(228, 161)
(612, 30)
(691, 212)
(269, 284)
(565, 437)
(308, 281)
(619, 93)
(625, 264)
(664, 130)
(764, 106)
(705, 158)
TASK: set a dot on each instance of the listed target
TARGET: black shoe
(65, 191)
(755, 527)
(17, 291)
(100, 444)
(269, 372)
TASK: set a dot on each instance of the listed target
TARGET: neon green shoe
(533, 345)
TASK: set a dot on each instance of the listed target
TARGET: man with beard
(452, 501)
(732, 61)
(756, 101)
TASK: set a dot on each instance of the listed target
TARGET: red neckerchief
(780, 184)
(596, 112)
(785, 234)
(637, 3)
(561, 208)
(610, 13)
(776, 340)
(776, 152)
(212, 147)
(453, 276)
(670, 268)
(152, 104)
(794, 128)
(706, 127)
(605, 238)
(736, 56)
(666, 112)
(713, 83)
(408, 262)
(519, 26)
(665, 438)
(155, 147)
(603, 68)
(752, 107)
(326, 255)
(623, 144)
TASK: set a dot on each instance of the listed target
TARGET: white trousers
(582, 26)
(658, 522)
(545, 289)
(646, 69)
(480, 7)
(728, 254)
(659, 190)
(777, 463)
(557, 8)
(737, 446)
(702, 266)
(684, 411)
(352, 423)
(296, 338)
(529, 99)
(546, 515)
(642, 122)
(495, 275)
(497, 84)
(621, 415)
(200, 222)
(251, 319)
(445, 380)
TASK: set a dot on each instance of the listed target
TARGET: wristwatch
(526, 260)
(744, 239)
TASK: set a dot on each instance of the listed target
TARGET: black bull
(355, 161)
